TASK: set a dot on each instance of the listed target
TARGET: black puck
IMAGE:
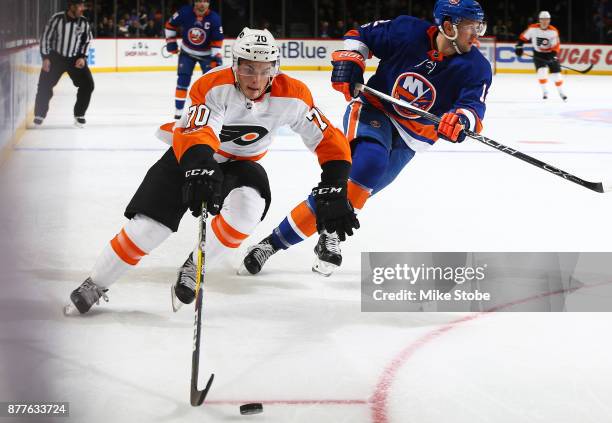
(251, 408)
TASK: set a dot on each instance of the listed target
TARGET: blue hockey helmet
(457, 10)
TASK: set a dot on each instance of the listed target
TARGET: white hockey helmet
(257, 45)
(544, 15)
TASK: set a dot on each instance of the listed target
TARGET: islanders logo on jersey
(415, 89)
(196, 36)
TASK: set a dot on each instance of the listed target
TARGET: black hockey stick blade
(587, 70)
(197, 397)
(594, 186)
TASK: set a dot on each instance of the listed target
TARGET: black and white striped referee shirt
(66, 36)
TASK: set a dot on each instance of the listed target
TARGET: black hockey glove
(334, 211)
(518, 50)
(348, 70)
(203, 180)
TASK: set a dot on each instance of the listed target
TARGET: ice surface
(288, 338)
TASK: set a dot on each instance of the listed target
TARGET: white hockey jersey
(542, 40)
(219, 115)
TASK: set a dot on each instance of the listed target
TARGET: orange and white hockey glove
(348, 71)
(451, 127)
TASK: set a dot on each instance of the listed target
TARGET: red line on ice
(379, 399)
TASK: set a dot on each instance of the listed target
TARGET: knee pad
(370, 160)
(242, 209)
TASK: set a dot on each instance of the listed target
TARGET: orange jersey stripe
(184, 138)
(170, 26)
(420, 129)
(125, 248)
(333, 146)
(304, 219)
(234, 157)
(285, 86)
(353, 120)
(357, 194)
(216, 43)
(207, 82)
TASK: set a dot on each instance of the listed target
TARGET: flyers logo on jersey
(196, 36)
(242, 134)
(414, 89)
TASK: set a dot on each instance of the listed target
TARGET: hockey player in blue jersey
(202, 36)
(437, 68)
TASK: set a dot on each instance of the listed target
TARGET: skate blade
(242, 270)
(70, 310)
(323, 268)
(176, 303)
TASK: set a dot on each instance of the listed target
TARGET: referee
(63, 48)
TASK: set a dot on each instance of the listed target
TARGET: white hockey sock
(240, 214)
(137, 238)
(543, 79)
(558, 78)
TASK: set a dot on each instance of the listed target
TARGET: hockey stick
(165, 53)
(197, 397)
(595, 186)
(587, 70)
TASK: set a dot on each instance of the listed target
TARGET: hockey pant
(156, 209)
(378, 154)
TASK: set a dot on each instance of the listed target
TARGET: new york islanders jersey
(219, 115)
(413, 70)
(202, 36)
(542, 40)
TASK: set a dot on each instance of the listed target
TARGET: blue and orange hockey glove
(348, 71)
(451, 127)
(216, 60)
(171, 46)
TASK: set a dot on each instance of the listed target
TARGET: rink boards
(125, 55)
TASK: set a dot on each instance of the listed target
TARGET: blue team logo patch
(415, 89)
(196, 36)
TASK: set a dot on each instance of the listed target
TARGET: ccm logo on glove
(196, 172)
(326, 190)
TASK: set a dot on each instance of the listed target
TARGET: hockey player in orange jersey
(232, 112)
(545, 41)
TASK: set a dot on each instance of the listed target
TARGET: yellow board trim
(6, 150)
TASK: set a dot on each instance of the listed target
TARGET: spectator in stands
(324, 29)
(149, 30)
(122, 28)
(339, 30)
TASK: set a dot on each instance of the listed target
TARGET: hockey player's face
(544, 22)
(201, 6)
(469, 31)
(254, 77)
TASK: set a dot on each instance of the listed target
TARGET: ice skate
(256, 257)
(183, 289)
(79, 121)
(84, 297)
(328, 254)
